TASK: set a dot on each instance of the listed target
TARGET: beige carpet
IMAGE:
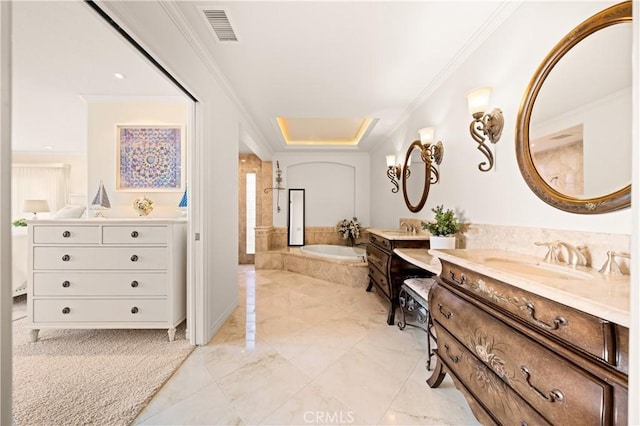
(101, 377)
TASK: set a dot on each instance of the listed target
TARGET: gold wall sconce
(432, 153)
(393, 171)
(484, 126)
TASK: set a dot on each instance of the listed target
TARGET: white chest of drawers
(106, 273)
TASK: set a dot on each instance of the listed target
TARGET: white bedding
(19, 260)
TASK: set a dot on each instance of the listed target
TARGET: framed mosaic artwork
(150, 158)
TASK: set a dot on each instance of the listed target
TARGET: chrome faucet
(574, 257)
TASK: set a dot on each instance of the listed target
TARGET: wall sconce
(393, 171)
(432, 153)
(35, 207)
(278, 186)
(484, 126)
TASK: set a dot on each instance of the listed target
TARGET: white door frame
(5, 214)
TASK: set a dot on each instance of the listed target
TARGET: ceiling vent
(219, 22)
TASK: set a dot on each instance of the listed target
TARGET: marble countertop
(421, 258)
(581, 288)
(397, 234)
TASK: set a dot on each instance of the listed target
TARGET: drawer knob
(554, 396)
(66, 258)
(66, 310)
(66, 234)
(134, 258)
(134, 310)
(134, 234)
(134, 283)
(557, 321)
(66, 284)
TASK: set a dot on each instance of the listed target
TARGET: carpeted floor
(101, 377)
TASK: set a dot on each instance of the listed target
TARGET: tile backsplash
(521, 239)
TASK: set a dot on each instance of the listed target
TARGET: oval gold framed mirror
(573, 132)
(416, 178)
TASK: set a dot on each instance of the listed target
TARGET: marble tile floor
(302, 351)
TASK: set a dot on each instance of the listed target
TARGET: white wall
(214, 183)
(5, 214)
(336, 186)
(102, 151)
(506, 60)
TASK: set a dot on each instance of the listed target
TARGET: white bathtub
(335, 252)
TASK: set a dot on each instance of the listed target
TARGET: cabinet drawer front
(60, 234)
(104, 284)
(377, 257)
(622, 348)
(498, 398)
(582, 330)
(380, 279)
(134, 234)
(551, 384)
(99, 258)
(380, 242)
(104, 310)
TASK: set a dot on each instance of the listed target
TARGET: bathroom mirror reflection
(415, 178)
(573, 139)
(295, 220)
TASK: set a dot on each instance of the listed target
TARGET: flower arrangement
(349, 229)
(445, 223)
(143, 205)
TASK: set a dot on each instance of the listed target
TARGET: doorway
(250, 204)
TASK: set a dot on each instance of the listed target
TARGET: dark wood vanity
(387, 270)
(521, 358)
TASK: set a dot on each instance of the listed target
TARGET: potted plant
(19, 223)
(442, 229)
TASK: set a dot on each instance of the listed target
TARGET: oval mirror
(415, 178)
(573, 133)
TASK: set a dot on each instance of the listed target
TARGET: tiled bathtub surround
(346, 272)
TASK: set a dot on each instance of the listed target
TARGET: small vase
(352, 241)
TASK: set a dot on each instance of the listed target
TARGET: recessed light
(119, 76)
(48, 147)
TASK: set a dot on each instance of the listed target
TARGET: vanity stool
(414, 297)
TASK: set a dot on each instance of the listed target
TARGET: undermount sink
(540, 269)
